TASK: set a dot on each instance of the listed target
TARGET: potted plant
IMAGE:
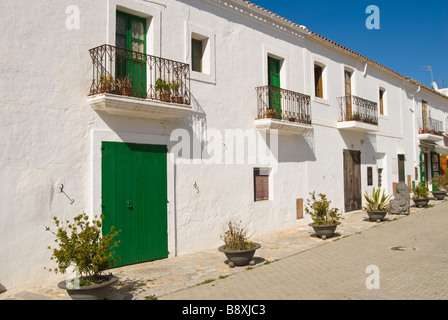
(420, 195)
(124, 86)
(325, 220)
(81, 245)
(237, 247)
(377, 205)
(106, 84)
(438, 184)
(175, 86)
(271, 113)
(164, 88)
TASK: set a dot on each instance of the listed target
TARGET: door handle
(129, 204)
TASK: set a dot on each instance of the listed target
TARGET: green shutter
(131, 35)
(274, 86)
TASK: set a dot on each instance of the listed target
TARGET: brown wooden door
(348, 95)
(352, 180)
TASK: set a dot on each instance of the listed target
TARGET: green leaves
(420, 191)
(80, 243)
(320, 211)
(378, 201)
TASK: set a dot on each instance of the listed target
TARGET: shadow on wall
(2, 288)
(366, 143)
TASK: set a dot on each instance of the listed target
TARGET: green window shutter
(131, 35)
(274, 86)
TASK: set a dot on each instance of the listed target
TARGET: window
(196, 55)
(261, 184)
(369, 176)
(381, 97)
(318, 81)
(401, 168)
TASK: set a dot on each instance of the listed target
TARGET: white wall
(51, 135)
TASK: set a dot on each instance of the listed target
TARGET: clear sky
(412, 34)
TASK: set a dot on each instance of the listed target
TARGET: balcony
(134, 84)
(358, 114)
(430, 130)
(287, 111)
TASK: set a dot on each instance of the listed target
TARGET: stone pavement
(334, 269)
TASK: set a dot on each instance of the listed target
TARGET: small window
(318, 85)
(381, 98)
(196, 55)
(369, 176)
(261, 184)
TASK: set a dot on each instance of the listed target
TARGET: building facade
(157, 115)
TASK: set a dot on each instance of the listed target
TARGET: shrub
(235, 237)
(421, 191)
(81, 244)
(320, 211)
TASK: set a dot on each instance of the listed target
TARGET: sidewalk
(163, 277)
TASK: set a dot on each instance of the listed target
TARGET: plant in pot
(377, 205)
(420, 197)
(81, 245)
(325, 219)
(237, 247)
(438, 185)
(271, 113)
(177, 97)
(124, 86)
(106, 84)
(164, 88)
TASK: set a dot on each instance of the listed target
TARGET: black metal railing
(283, 104)
(130, 73)
(429, 125)
(354, 108)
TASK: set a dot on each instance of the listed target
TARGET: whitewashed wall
(50, 135)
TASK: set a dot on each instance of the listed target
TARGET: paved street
(294, 264)
(417, 269)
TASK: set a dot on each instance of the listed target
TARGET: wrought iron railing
(354, 108)
(131, 73)
(429, 125)
(283, 104)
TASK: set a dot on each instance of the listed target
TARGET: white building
(72, 142)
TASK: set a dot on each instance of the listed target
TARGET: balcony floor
(283, 127)
(357, 126)
(135, 107)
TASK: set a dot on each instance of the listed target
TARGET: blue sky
(412, 34)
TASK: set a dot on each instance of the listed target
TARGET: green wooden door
(131, 36)
(134, 200)
(274, 86)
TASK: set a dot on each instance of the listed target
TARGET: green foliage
(378, 201)
(80, 243)
(440, 182)
(162, 85)
(235, 237)
(420, 191)
(320, 211)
